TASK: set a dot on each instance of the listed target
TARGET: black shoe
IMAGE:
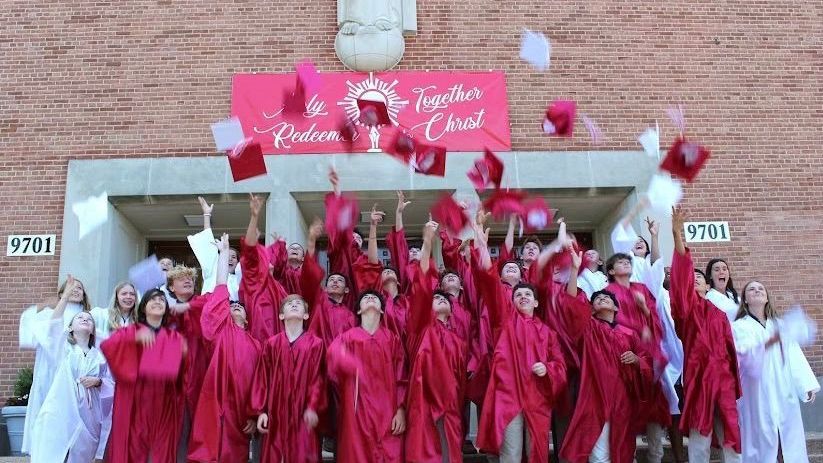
(329, 445)
(468, 448)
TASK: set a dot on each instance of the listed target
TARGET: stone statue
(371, 32)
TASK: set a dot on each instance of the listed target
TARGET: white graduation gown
(206, 253)
(590, 282)
(67, 427)
(774, 381)
(623, 239)
(724, 303)
(34, 334)
(671, 344)
(102, 332)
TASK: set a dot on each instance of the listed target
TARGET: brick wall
(88, 79)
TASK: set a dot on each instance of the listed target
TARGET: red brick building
(144, 79)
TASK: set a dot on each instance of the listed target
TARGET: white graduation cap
(91, 213)
(650, 141)
(796, 326)
(146, 274)
(227, 133)
(664, 192)
(535, 49)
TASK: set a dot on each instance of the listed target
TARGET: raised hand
(652, 226)
(144, 337)
(376, 216)
(640, 301)
(678, 219)
(255, 204)
(222, 243)
(430, 229)
(401, 201)
(316, 229)
(334, 179)
(481, 217)
(204, 206)
(577, 259)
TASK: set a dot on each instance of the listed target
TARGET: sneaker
(468, 448)
(329, 445)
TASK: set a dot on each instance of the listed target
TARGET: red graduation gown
(513, 388)
(287, 275)
(262, 294)
(368, 372)
(710, 375)
(199, 350)
(610, 391)
(395, 314)
(290, 378)
(328, 318)
(148, 401)
(632, 317)
(437, 354)
(222, 411)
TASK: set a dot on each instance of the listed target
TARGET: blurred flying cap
(91, 213)
(449, 214)
(294, 102)
(796, 326)
(594, 131)
(677, 114)
(503, 203)
(146, 274)
(536, 214)
(307, 77)
(348, 132)
(373, 113)
(402, 146)
(535, 49)
(663, 193)
(342, 212)
(227, 133)
(429, 160)
(685, 159)
(246, 160)
(650, 141)
(487, 171)
(559, 120)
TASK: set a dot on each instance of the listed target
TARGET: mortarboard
(535, 49)
(146, 274)
(342, 212)
(650, 141)
(449, 214)
(536, 214)
(294, 102)
(796, 326)
(685, 159)
(594, 131)
(664, 193)
(486, 171)
(402, 146)
(502, 203)
(559, 120)
(307, 77)
(227, 133)
(91, 213)
(246, 161)
(429, 160)
(348, 132)
(373, 113)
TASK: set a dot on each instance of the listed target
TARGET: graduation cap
(146, 274)
(308, 82)
(535, 49)
(246, 160)
(502, 203)
(559, 120)
(402, 146)
(373, 113)
(449, 214)
(796, 326)
(594, 131)
(677, 114)
(348, 132)
(91, 213)
(342, 212)
(663, 193)
(227, 133)
(429, 160)
(308, 77)
(536, 214)
(685, 159)
(486, 171)
(650, 141)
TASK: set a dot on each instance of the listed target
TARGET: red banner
(459, 111)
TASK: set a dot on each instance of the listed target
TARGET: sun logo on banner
(372, 89)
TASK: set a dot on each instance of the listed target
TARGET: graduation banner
(459, 111)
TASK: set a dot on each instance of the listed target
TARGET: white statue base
(370, 49)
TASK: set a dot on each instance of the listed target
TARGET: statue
(371, 32)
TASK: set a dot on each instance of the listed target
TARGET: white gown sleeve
(623, 238)
(28, 320)
(750, 350)
(803, 378)
(206, 253)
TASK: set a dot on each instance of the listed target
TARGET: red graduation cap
(307, 77)
(536, 214)
(685, 159)
(402, 146)
(373, 113)
(348, 132)
(342, 212)
(503, 203)
(559, 120)
(429, 160)
(449, 214)
(246, 160)
(487, 170)
(294, 102)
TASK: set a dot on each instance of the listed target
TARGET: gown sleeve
(216, 313)
(206, 253)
